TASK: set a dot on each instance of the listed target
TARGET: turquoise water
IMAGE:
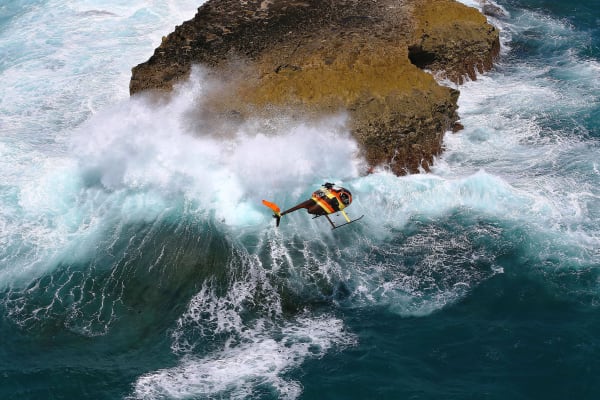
(136, 261)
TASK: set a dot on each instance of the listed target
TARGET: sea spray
(145, 200)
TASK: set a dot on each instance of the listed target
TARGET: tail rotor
(276, 211)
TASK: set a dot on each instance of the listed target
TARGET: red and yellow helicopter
(328, 199)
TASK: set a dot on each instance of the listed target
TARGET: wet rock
(492, 10)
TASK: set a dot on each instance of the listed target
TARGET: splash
(244, 370)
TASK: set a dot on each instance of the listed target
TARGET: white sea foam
(248, 356)
(60, 59)
(259, 363)
(522, 125)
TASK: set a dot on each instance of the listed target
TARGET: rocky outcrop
(315, 57)
(454, 41)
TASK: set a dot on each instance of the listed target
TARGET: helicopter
(326, 200)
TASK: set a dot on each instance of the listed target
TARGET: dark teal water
(137, 262)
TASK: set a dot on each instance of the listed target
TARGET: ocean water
(136, 261)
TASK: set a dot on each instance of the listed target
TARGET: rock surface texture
(319, 57)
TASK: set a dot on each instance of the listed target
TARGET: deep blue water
(136, 260)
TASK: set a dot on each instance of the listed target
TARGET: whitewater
(137, 261)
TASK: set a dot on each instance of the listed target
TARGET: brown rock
(453, 41)
(457, 127)
(317, 57)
